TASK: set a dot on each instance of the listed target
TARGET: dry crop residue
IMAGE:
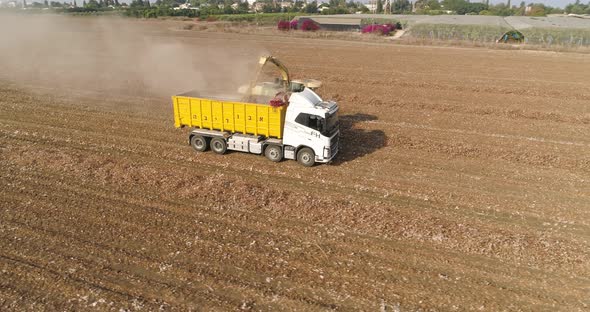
(461, 184)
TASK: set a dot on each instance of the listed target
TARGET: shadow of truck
(354, 142)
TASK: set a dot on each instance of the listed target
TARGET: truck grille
(334, 142)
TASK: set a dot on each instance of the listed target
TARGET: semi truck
(281, 119)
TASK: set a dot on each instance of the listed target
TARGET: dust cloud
(119, 56)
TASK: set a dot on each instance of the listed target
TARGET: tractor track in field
(454, 189)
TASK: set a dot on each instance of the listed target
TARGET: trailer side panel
(234, 117)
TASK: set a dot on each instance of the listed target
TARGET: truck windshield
(330, 125)
(327, 126)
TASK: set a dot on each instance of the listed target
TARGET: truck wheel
(199, 143)
(218, 145)
(306, 157)
(274, 153)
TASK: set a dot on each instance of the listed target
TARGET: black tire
(306, 157)
(274, 153)
(218, 145)
(199, 143)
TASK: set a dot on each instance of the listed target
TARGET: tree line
(204, 8)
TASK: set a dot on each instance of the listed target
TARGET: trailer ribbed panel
(246, 118)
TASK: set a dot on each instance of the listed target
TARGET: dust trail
(109, 55)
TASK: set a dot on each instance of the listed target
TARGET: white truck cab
(310, 123)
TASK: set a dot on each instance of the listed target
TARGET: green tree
(464, 7)
(311, 7)
(420, 4)
(454, 5)
(227, 9)
(92, 4)
(521, 9)
(298, 6)
(537, 9)
(577, 8)
(400, 6)
(475, 7)
(135, 4)
(243, 7)
(268, 8)
(433, 4)
(379, 9)
(499, 10)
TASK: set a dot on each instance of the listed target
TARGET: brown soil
(463, 183)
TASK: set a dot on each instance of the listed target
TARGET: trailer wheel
(199, 143)
(306, 157)
(218, 145)
(274, 153)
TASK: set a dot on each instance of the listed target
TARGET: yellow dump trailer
(230, 116)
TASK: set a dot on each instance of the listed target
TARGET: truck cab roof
(307, 99)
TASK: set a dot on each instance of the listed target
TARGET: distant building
(185, 6)
(372, 7)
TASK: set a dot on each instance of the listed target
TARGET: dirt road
(463, 183)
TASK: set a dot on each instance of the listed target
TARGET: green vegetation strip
(264, 18)
(489, 33)
(557, 36)
(480, 33)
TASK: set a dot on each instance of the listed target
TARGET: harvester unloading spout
(292, 85)
(271, 88)
(282, 68)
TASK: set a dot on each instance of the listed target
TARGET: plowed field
(463, 183)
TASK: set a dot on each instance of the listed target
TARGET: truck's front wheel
(218, 145)
(274, 153)
(306, 157)
(199, 143)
